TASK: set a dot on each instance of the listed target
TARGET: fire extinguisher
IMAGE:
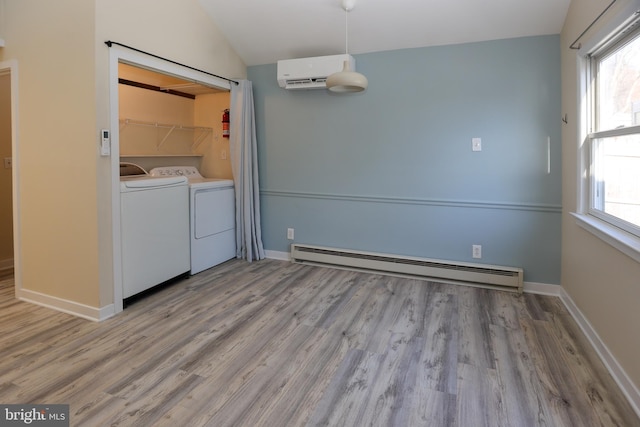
(225, 123)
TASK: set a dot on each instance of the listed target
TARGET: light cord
(346, 31)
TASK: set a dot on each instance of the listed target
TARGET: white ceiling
(264, 31)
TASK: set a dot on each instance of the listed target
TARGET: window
(614, 138)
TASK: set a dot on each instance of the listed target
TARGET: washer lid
(127, 169)
(145, 181)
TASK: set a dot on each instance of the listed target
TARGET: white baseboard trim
(66, 306)
(6, 264)
(282, 256)
(627, 386)
(542, 289)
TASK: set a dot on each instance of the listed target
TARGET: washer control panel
(189, 171)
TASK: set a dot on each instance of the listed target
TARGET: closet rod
(573, 45)
(110, 43)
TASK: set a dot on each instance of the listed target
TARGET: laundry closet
(177, 203)
(167, 121)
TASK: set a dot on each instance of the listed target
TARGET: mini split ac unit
(311, 73)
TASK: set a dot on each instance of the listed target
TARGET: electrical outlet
(290, 233)
(476, 251)
(8, 162)
(223, 155)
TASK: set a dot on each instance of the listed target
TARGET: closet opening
(161, 114)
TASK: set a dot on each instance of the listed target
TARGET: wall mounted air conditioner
(311, 73)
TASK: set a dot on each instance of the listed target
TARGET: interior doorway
(9, 219)
(6, 188)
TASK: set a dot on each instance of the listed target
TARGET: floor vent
(487, 276)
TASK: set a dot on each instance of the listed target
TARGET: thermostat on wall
(105, 145)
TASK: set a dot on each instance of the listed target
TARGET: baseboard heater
(480, 275)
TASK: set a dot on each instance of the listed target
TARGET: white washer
(154, 220)
(212, 216)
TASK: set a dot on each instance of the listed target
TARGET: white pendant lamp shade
(347, 81)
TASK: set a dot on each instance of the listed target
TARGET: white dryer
(212, 216)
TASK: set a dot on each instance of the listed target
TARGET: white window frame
(614, 231)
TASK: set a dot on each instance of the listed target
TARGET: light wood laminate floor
(278, 344)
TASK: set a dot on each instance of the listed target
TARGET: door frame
(119, 54)
(10, 67)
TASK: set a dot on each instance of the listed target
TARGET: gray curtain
(244, 164)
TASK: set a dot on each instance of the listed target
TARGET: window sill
(624, 242)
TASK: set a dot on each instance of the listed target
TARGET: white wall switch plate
(476, 144)
(8, 162)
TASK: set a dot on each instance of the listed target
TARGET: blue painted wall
(391, 169)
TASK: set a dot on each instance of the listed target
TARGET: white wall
(142, 105)
(603, 282)
(64, 184)
(52, 43)
(208, 112)
(211, 149)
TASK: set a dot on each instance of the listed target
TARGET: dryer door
(214, 211)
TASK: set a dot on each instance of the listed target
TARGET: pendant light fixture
(346, 81)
